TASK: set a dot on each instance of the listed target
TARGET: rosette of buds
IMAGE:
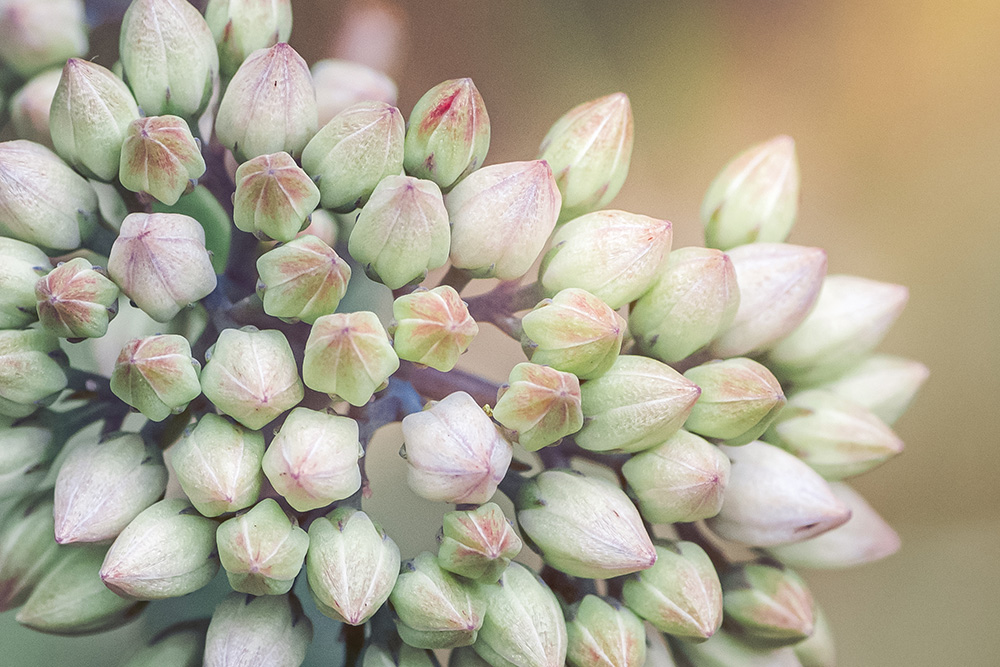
(726, 394)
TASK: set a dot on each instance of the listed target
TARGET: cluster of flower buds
(276, 316)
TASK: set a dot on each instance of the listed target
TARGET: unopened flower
(180, 644)
(739, 399)
(29, 107)
(818, 650)
(21, 266)
(343, 83)
(769, 603)
(478, 544)
(348, 355)
(274, 197)
(36, 35)
(725, 649)
(26, 452)
(247, 630)
(76, 300)
(433, 327)
(156, 375)
(262, 550)
(303, 279)
(602, 632)
(160, 157)
(540, 404)
(240, 27)
(26, 548)
(883, 384)
(30, 370)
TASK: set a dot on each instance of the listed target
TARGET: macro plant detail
(223, 271)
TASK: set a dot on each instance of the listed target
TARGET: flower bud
(76, 300)
(603, 632)
(406, 656)
(835, 436)
(818, 649)
(26, 548)
(574, 332)
(42, 200)
(614, 255)
(156, 375)
(682, 480)
(165, 552)
(36, 35)
(501, 217)
(180, 645)
(269, 106)
(348, 355)
(342, 83)
(478, 544)
(21, 266)
(218, 465)
(313, 460)
(29, 370)
(583, 526)
(26, 453)
(353, 152)
(251, 376)
(160, 157)
(464, 656)
(29, 107)
(755, 198)
(435, 609)
(590, 149)
(71, 599)
(262, 550)
(274, 197)
(352, 565)
(454, 452)
(90, 114)
(658, 652)
(739, 399)
(774, 498)
(725, 650)
(448, 133)
(240, 27)
(159, 261)
(693, 300)
(540, 404)
(680, 594)
(883, 384)
(768, 603)
(523, 625)
(433, 327)
(850, 318)
(865, 538)
(636, 405)
(270, 630)
(779, 284)
(402, 232)
(303, 279)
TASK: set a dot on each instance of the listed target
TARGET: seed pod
(262, 550)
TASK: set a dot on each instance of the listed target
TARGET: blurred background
(893, 106)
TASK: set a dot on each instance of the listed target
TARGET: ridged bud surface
(246, 631)
(156, 375)
(262, 550)
(76, 300)
(770, 604)
(21, 267)
(160, 157)
(303, 279)
(739, 399)
(29, 107)
(433, 327)
(30, 370)
(36, 35)
(349, 355)
(240, 27)
(604, 633)
(273, 197)
(478, 544)
(883, 384)
(540, 404)
(26, 548)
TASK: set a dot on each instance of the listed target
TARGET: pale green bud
(248, 631)
(433, 327)
(540, 405)
(36, 35)
(402, 232)
(251, 376)
(574, 332)
(524, 626)
(768, 603)
(27, 549)
(637, 404)
(739, 400)
(30, 370)
(883, 384)
(583, 526)
(348, 355)
(680, 594)
(168, 57)
(693, 300)
(501, 216)
(454, 452)
(76, 300)
(590, 149)
(180, 645)
(434, 608)
(837, 437)
(448, 133)
(90, 113)
(352, 565)
(274, 197)
(313, 459)
(658, 652)
(71, 599)
(478, 544)
(21, 266)
(269, 106)
(160, 262)
(160, 157)
(851, 316)
(818, 649)
(603, 633)
(240, 27)
(353, 152)
(303, 279)
(755, 198)
(779, 284)
(865, 538)
(29, 107)
(342, 83)
(725, 650)
(218, 465)
(165, 552)
(681, 480)
(406, 656)
(465, 656)
(262, 550)
(774, 498)
(42, 200)
(26, 453)
(156, 375)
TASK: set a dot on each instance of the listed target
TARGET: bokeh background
(894, 108)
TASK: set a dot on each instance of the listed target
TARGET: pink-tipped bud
(433, 327)
(540, 405)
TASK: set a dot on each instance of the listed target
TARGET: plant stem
(435, 385)
(457, 278)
